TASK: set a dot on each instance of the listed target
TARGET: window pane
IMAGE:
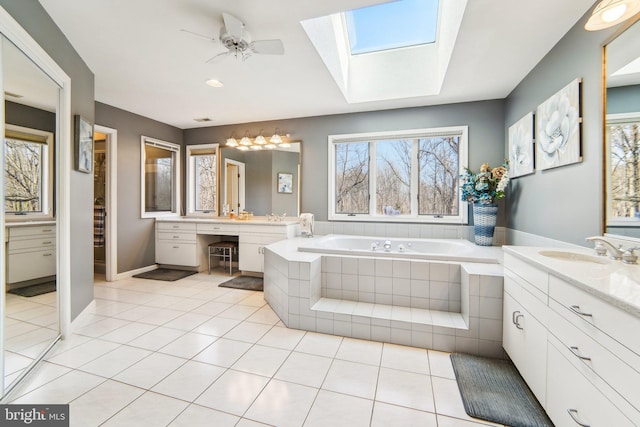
(23, 174)
(352, 177)
(625, 169)
(393, 177)
(438, 184)
(159, 179)
(205, 182)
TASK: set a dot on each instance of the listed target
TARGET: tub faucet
(387, 245)
(615, 253)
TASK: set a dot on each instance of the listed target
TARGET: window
(28, 172)
(623, 146)
(202, 179)
(406, 176)
(160, 178)
(406, 22)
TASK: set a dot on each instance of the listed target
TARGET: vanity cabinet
(578, 353)
(252, 249)
(31, 252)
(176, 244)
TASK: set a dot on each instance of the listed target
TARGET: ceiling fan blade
(268, 47)
(233, 25)
(197, 34)
(218, 56)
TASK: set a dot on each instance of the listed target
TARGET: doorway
(234, 180)
(104, 203)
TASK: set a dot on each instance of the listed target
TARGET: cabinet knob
(516, 319)
(574, 415)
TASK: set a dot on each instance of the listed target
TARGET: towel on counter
(98, 226)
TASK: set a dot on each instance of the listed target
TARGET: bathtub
(431, 249)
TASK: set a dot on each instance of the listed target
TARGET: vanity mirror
(249, 180)
(622, 134)
(31, 315)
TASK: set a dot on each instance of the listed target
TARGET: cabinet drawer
(570, 393)
(260, 239)
(174, 253)
(597, 314)
(537, 278)
(595, 359)
(268, 229)
(30, 231)
(177, 236)
(177, 226)
(218, 228)
(31, 265)
(35, 242)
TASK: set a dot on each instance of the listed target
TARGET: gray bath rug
(249, 283)
(166, 274)
(34, 290)
(493, 390)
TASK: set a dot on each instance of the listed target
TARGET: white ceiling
(143, 63)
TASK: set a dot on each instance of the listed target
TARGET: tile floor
(189, 353)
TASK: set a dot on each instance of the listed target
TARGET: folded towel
(98, 226)
(306, 223)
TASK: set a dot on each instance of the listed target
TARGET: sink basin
(575, 257)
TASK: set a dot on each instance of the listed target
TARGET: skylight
(392, 25)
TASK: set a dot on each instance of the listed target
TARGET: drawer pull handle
(513, 316)
(574, 415)
(576, 309)
(176, 226)
(176, 237)
(46, 243)
(176, 247)
(576, 353)
(46, 231)
(517, 322)
(47, 254)
(216, 228)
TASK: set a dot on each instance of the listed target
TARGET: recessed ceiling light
(214, 83)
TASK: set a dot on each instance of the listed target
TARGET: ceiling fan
(237, 40)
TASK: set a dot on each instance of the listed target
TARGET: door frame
(111, 202)
(241, 183)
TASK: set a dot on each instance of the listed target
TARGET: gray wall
(486, 138)
(30, 117)
(565, 203)
(258, 185)
(136, 244)
(623, 99)
(33, 18)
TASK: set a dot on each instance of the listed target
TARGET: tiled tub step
(345, 310)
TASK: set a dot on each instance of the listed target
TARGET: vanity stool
(224, 250)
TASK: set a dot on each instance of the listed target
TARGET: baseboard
(131, 273)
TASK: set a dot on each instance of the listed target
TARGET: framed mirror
(622, 134)
(249, 180)
(31, 314)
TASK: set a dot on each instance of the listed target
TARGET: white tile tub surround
(356, 297)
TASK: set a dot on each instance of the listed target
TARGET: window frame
(48, 178)
(175, 196)
(463, 160)
(191, 181)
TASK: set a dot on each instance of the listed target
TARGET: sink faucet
(387, 245)
(616, 253)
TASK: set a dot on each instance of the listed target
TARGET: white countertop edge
(529, 254)
(254, 221)
(29, 223)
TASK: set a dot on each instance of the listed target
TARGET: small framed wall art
(83, 142)
(521, 157)
(285, 182)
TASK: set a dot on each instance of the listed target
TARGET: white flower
(520, 149)
(559, 122)
(503, 182)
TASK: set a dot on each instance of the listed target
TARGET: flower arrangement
(485, 187)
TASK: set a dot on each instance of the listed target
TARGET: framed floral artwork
(83, 145)
(521, 153)
(558, 124)
(285, 182)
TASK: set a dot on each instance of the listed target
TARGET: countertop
(614, 282)
(257, 220)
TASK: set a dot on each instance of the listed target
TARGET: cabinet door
(174, 253)
(572, 399)
(251, 257)
(525, 340)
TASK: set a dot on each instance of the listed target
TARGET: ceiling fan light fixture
(608, 13)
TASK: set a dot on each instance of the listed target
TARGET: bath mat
(166, 274)
(493, 390)
(249, 283)
(34, 290)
